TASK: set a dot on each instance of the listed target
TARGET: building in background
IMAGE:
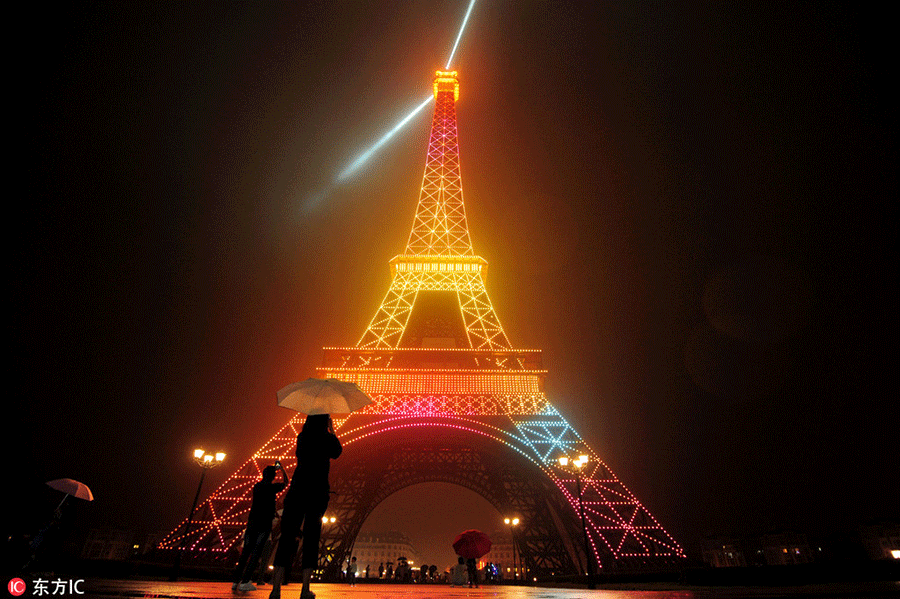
(724, 552)
(881, 540)
(374, 548)
(785, 549)
(501, 556)
(110, 544)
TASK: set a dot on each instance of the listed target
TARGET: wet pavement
(188, 589)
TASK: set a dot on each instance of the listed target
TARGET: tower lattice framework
(454, 402)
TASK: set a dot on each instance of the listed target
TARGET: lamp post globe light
(512, 523)
(577, 466)
(328, 549)
(205, 461)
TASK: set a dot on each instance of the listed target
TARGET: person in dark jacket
(472, 569)
(306, 501)
(259, 525)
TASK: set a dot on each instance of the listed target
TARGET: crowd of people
(463, 573)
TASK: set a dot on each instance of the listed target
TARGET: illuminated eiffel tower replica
(454, 402)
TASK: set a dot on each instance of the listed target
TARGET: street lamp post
(205, 461)
(578, 466)
(512, 523)
(327, 550)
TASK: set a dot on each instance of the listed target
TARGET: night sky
(691, 210)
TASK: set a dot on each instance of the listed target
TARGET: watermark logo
(16, 587)
(41, 587)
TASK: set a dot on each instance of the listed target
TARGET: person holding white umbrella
(306, 501)
(69, 488)
(307, 497)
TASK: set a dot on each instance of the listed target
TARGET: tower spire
(440, 228)
(439, 254)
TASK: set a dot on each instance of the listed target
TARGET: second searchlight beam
(368, 153)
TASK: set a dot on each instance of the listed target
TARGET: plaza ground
(189, 589)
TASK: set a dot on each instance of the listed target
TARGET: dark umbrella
(472, 544)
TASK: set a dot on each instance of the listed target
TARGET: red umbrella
(472, 544)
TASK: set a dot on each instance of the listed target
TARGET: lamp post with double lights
(327, 550)
(512, 523)
(205, 461)
(577, 466)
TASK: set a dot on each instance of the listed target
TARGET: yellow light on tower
(445, 81)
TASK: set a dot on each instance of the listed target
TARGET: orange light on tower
(439, 254)
(445, 81)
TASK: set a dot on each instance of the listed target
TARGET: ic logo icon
(16, 587)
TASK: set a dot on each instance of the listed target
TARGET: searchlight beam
(365, 156)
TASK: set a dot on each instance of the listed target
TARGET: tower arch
(388, 455)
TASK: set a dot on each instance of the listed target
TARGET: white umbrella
(323, 396)
(71, 487)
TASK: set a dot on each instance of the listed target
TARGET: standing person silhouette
(351, 572)
(259, 525)
(306, 501)
(473, 572)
